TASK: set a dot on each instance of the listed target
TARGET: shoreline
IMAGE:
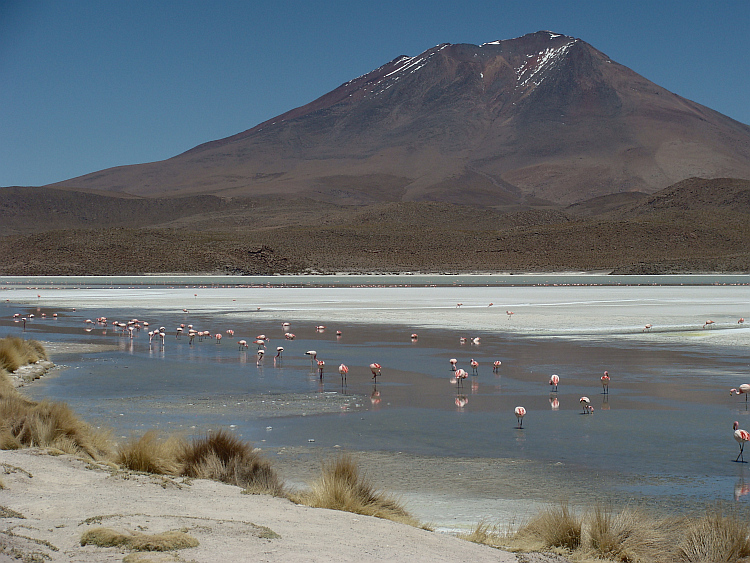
(86, 495)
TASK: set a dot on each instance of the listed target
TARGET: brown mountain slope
(667, 233)
(538, 119)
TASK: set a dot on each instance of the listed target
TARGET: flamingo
(708, 323)
(605, 383)
(218, 338)
(461, 374)
(554, 380)
(453, 362)
(414, 336)
(375, 369)
(741, 436)
(743, 390)
(587, 408)
(242, 343)
(742, 320)
(279, 350)
(496, 365)
(343, 370)
(520, 413)
(259, 354)
(289, 336)
(321, 365)
(474, 366)
(647, 328)
(313, 356)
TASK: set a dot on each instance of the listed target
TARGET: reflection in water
(605, 402)
(554, 403)
(375, 396)
(461, 401)
(474, 386)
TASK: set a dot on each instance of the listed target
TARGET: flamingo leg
(740, 456)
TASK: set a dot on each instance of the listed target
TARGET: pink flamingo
(414, 336)
(461, 374)
(343, 370)
(743, 390)
(554, 380)
(496, 365)
(289, 336)
(259, 354)
(474, 366)
(453, 362)
(520, 413)
(605, 383)
(279, 350)
(242, 343)
(742, 320)
(375, 369)
(218, 338)
(708, 323)
(321, 365)
(585, 403)
(741, 436)
(510, 314)
(647, 328)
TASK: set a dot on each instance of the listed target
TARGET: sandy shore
(50, 501)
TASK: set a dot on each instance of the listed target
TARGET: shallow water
(662, 435)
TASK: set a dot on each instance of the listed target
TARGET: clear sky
(87, 85)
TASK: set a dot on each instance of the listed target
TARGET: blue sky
(86, 85)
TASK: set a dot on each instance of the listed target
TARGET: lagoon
(661, 437)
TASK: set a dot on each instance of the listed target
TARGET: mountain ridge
(541, 119)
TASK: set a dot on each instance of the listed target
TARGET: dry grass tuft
(715, 536)
(137, 541)
(151, 455)
(47, 424)
(555, 526)
(16, 352)
(341, 487)
(629, 535)
(224, 457)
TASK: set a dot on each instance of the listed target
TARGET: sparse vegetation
(26, 423)
(138, 541)
(16, 352)
(629, 535)
(342, 487)
(223, 457)
(151, 455)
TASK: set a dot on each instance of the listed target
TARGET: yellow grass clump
(25, 423)
(342, 487)
(137, 541)
(715, 536)
(16, 352)
(628, 536)
(151, 455)
(224, 457)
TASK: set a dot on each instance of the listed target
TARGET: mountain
(544, 119)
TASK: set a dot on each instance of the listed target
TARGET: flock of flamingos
(134, 326)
